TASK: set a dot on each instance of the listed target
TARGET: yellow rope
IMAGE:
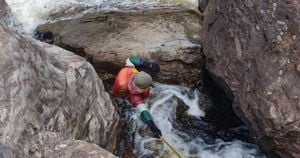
(169, 145)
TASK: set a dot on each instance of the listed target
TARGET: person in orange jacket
(135, 87)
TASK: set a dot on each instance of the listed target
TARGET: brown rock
(168, 36)
(240, 40)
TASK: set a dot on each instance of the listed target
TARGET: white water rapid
(31, 13)
(163, 106)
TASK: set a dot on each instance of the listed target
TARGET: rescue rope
(173, 149)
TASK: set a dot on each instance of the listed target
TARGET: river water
(31, 13)
(164, 105)
(176, 110)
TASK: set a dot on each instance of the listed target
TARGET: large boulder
(49, 95)
(168, 36)
(252, 50)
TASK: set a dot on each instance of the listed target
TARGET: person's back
(135, 87)
(120, 87)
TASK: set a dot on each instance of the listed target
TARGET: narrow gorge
(228, 85)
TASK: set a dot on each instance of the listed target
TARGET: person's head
(142, 80)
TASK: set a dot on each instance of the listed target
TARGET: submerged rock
(252, 50)
(49, 95)
(168, 36)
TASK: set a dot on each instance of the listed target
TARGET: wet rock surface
(252, 50)
(6, 17)
(49, 95)
(168, 36)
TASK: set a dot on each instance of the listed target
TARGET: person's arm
(140, 63)
(138, 101)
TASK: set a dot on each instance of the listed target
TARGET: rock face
(49, 95)
(252, 50)
(6, 17)
(202, 5)
(168, 36)
(77, 149)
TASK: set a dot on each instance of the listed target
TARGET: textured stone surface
(5, 152)
(168, 36)
(48, 95)
(6, 17)
(252, 50)
(202, 5)
(76, 149)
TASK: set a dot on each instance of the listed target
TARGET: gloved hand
(153, 67)
(156, 132)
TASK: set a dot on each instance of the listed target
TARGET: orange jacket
(121, 87)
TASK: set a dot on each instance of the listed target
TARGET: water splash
(163, 107)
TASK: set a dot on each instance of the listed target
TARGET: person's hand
(156, 132)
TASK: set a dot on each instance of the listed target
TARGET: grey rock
(7, 18)
(168, 36)
(202, 5)
(49, 95)
(248, 63)
(76, 149)
(5, 152)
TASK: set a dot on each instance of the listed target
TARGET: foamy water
(31, 13)
(163, 108)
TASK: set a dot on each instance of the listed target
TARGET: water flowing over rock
(48, 96)
(6, 17)
(252, 50)
(169, 36)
